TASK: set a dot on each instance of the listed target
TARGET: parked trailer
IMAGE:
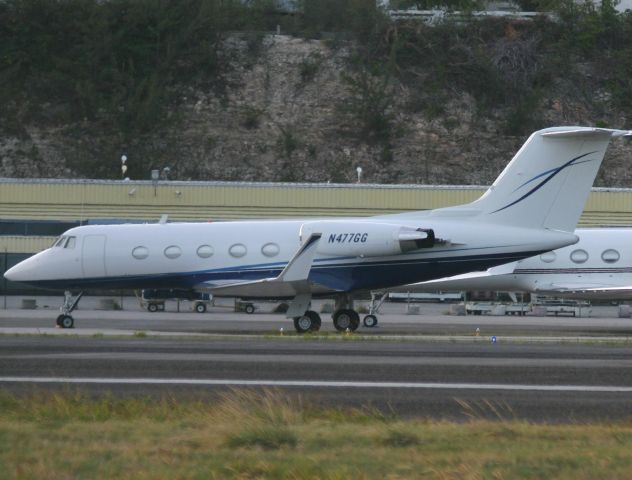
(154, 299)
(424, 297)
(495, 308)
(565, 307)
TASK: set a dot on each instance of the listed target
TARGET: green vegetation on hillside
(119, 70)
(509, 67)
(110, 62)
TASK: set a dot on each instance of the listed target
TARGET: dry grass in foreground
(269, 435)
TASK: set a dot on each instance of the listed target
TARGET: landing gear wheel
(308, 322)
(152, 307)
(250, 308)
(315, 320)
(65, 321)
(370, 321)
(200, 308)
(302, 324)
(346, 319)
(70, 303)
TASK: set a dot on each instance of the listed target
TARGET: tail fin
(547, 182)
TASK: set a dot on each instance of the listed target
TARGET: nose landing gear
(370, 321)
(65, 320)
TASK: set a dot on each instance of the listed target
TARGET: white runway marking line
(320, 384)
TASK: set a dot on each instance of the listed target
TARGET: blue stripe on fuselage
(341, 277)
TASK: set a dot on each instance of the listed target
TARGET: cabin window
(140, 253)
(579, 256)
(173, 251)
(238, 250)
(270, 249)
(610, 256)
(71, 242)
(548, 257)
(205, 251)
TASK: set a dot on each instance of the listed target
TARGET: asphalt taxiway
(429, 365)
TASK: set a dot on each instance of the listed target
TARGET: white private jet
(599, 266)
(532, 207)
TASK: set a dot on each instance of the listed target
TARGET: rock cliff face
(282, 118)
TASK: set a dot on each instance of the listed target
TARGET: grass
(267, 434)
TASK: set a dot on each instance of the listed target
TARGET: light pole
(155, 175)
(123, 166)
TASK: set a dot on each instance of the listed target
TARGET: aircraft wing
(584, 287)
(490, 272)
(458, 282)
(292, 281)
(266, 288)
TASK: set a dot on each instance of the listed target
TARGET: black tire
(309, 322)
(200, 308)
(303, 324)
(66, 321)
(58, 320)
(152, 307)
(370, 321)
(346, 319)
(316, 322)
(249, 308)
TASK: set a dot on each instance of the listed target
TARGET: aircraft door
(93, 256)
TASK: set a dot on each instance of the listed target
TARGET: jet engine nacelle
(366, 239)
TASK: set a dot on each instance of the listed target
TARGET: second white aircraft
(599, 266)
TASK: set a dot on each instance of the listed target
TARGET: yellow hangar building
(35, 211)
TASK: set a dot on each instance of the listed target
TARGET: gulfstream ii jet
(532, 207)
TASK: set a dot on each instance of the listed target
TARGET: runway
(556, 383)
(556, 369)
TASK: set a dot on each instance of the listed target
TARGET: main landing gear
(345, 318)
(65, 320)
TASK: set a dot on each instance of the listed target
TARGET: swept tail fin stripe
(536, 177)
(555, 170)
(552, 173)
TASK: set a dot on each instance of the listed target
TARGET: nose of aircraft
(15, 273)
(22, 272)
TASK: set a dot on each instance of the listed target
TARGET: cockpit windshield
(65, 242)
(58, 241)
